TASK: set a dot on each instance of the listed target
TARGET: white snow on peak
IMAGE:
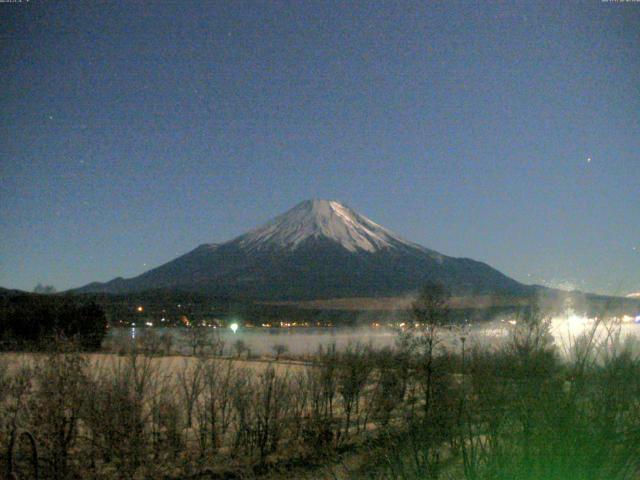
(322, 219)
(634, 295)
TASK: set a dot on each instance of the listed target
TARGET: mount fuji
(318, 249)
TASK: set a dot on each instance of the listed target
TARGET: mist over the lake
(565, 329)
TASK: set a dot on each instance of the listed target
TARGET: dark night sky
(507, 132)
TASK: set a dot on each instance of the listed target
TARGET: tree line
(32, 322)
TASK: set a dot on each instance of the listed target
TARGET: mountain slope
(318, 249)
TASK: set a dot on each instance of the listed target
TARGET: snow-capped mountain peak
(318, 249)
(327, 219)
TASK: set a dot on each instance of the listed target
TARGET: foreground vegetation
(419, 411)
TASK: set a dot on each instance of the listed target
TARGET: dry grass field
(168, 365)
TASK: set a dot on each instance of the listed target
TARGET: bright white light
(149, 324)
(576, 323)
(566, 328)
(234, 327)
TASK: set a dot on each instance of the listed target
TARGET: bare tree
(354, 368)
(214, 412)
(430, 312)
(167, 419)
(118, 416)
(150, 342)
(57, 404)
(216, 343)
(240, 347)
(242, 398)
(166, 343)
(279, 349)
(196, 338)
(190, 380)
(270, 402)
(321, 383)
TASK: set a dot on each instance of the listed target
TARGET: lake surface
(261, 341)
(565, 330)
